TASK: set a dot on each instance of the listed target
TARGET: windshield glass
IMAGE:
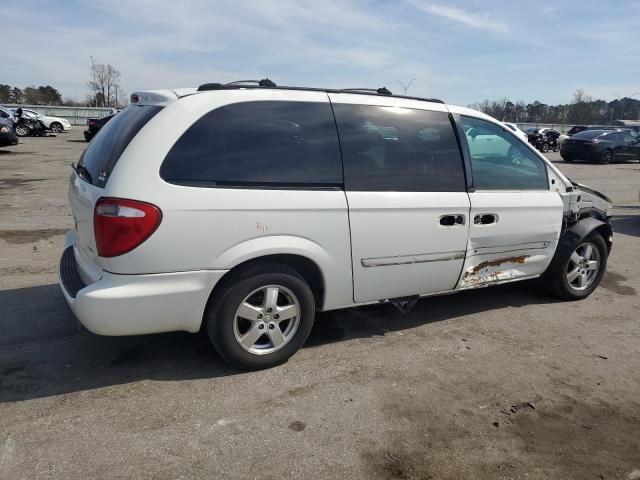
(105, 149)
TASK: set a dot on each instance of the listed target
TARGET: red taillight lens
(91, 123)
(120, 225)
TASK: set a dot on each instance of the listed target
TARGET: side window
(258, 143)
(398, 149)
(499, 161)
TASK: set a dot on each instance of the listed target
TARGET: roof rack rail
(379, 91)
(266, 83)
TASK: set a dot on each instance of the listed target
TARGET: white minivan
(243, 209)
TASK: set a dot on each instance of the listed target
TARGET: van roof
(165, 97)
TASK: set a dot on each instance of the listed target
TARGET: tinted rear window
(105, 149)
(588, 134)
(398, 149)
(265, 143)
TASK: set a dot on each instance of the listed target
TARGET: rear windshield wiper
(82, 171)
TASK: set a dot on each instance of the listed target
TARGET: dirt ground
(500, 383)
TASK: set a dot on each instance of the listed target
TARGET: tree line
(42, 95)
(582, 110)
(104, 91)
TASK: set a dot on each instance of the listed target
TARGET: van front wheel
(576, 276)
(261, 318)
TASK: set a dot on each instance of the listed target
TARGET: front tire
(544, 148)
(22, 131)
(56, 127)
(577, 275)
(606, 157)
(261, 317)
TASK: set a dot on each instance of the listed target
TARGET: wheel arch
(579, 231)
(303, 265)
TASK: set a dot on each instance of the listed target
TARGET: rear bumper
(8, 139)
(580, 153)
(137, 304)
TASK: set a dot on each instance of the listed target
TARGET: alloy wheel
(583, 267)
(267, 319)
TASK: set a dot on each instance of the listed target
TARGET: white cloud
(480, 22)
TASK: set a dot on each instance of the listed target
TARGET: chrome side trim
(411, 259)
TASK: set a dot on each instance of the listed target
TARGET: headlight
(4, 129)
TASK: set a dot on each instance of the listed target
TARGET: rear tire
(266, 340)
(606, 157)
(544, 148)
(574, 276)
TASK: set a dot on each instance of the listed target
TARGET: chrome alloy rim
(583, 267)
(267, 319)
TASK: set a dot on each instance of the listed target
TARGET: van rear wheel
(261, 317)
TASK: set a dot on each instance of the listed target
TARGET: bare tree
(104, 84)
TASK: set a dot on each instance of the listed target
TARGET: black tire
(222, 308)
(22, 130)
(556, 148)
(606, 157)
(556, 280)
(544, 148)
(56, 127)
(567, 158)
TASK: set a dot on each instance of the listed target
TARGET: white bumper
(140, 304)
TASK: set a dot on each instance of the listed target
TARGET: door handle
(485, 219)
(452, 220)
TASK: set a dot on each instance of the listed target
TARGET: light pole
(93, 76)
(404, 86)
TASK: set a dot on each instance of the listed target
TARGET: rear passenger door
(405, 188)
(515, 218)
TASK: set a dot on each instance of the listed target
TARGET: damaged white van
(245, 208)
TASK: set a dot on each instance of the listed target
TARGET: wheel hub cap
(267, 319)
(583, 267)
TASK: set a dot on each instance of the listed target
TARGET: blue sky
(461, 51)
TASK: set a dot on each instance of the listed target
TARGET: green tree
(5, 93)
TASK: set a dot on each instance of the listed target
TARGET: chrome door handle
(485, 219)
(452, 220)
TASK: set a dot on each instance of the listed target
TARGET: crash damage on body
(521, 261)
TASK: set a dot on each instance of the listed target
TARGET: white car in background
(55, 124)
(520, 133)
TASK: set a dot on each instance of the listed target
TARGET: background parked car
(581, 128)
(602, 146)
(8, 136)
(55, 124)
(94, 125)
(520, 133)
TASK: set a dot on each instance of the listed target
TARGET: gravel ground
(501, 383)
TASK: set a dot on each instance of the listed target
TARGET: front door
(515, 218)
(405, 188)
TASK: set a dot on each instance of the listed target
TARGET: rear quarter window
(260, 143)
(104, 151)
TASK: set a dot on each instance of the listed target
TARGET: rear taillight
(120, 225)
(91, 122)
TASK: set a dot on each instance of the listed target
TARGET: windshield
(102, 154)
